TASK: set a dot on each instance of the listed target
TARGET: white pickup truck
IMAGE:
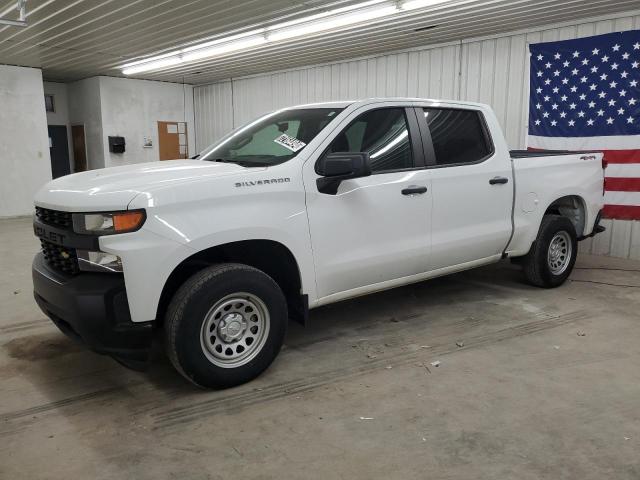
(300, 208)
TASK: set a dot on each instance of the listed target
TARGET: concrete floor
(546, 385)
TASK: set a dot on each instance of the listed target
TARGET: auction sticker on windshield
(290, 143)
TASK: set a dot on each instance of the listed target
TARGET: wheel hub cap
(559, 254)
(232, 327)
(234, 330)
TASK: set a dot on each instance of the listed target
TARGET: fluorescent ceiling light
(152, 65)
(277, 33)
(328, 13)
(195, 52)
(320, 22)
(222, 49)
(413, 4)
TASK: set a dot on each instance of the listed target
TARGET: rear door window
(458, 136)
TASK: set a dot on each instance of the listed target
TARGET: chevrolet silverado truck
(303, 207)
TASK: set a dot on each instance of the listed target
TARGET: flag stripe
(622, 198)
(623, 142)
(613, 184)
(623, 170)
(622, 212)
(622, 156)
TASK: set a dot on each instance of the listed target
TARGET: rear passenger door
(472, 187)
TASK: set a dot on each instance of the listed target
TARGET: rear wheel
(553, 255)
(225, 325)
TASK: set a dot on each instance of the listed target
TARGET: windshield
(272, 139)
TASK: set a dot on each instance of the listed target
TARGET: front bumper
(93, 308)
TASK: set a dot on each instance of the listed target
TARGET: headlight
(90, 261)
(108, 223)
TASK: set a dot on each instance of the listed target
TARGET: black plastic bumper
(93, 308)
(597, 228)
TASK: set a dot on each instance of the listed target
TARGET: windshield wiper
(237, 162)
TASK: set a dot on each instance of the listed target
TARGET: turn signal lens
(108, 223)
(128, 221)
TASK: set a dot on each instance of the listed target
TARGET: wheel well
(271, 257)
(572, 207)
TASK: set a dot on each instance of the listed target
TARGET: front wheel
(225, 325)
(553, 255)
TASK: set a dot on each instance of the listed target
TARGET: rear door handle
(498, 180)
(414, 190)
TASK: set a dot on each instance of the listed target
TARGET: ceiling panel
(74, 39)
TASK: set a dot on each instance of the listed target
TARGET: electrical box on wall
(116, 144)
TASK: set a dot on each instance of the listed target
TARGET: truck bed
(543, 177)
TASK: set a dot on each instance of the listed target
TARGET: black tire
(191, 306)
(535, 264)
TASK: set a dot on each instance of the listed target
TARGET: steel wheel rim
(234, 330)
(559, 253)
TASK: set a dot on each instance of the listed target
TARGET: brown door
(172, 140)
(79, 148)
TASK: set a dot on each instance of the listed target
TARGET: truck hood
(113, 188)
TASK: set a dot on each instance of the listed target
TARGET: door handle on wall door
(498, 180)
(414, 190)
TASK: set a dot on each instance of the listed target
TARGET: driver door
(375, 229)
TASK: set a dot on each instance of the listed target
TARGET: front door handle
(414, 190)
(498, 180)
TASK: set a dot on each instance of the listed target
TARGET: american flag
(585, 95)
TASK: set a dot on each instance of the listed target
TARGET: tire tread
(535, 263)
(175, 311)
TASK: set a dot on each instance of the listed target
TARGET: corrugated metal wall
(492, 71)
(221, 106)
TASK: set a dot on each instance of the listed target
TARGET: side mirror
(336, 167)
